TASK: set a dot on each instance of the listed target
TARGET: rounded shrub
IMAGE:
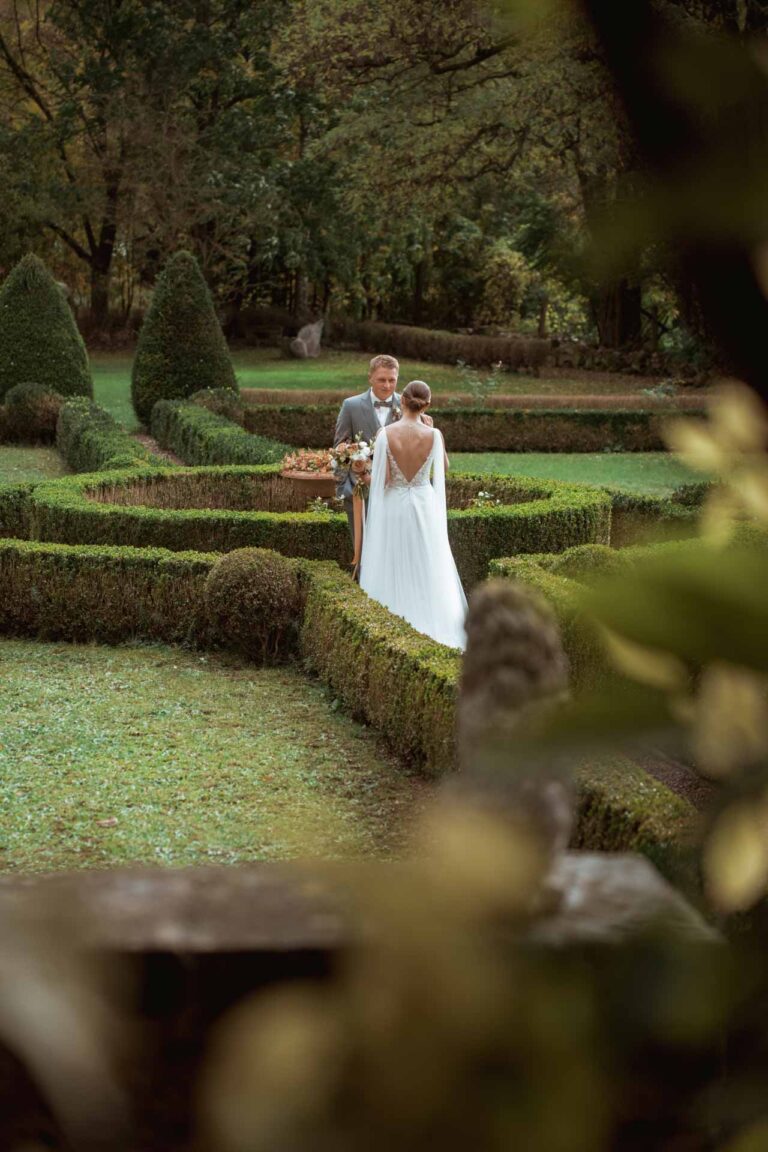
(31, 411)
(222, 402)
(181, 348)
(39, 339)
(253, 602)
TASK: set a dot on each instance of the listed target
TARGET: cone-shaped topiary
(181, 347)
(39, 339)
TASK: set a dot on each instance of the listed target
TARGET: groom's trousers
(350, 517)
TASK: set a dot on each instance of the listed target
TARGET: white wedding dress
(406, 563)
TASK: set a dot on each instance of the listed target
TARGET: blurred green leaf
(700, 605)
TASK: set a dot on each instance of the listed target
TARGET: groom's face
(383, 382)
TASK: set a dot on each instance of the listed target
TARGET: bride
(406, 562)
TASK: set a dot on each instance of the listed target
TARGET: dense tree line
(443, 163)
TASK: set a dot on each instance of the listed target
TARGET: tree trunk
(300, 297)
(543, 309)
(100, 279)
(617, 310)
(419, 287)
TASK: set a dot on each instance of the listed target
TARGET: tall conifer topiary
(181, 347)
(39, 339)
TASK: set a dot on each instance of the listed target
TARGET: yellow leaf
(731, 727)
(718, 518)
(696, 445)
(752, 488)
(646, 665)
(736, 857)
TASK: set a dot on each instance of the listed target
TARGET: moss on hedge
(486, 429)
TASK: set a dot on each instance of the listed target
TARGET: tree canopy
(443, 163)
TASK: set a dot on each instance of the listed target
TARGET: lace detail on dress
(398, 479)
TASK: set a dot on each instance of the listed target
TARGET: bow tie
(382, 403)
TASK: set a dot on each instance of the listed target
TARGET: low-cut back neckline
(410, 479)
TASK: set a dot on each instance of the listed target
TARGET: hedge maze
(126, 549)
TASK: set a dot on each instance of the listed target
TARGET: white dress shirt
(381, 414)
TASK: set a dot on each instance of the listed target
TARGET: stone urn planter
(310, 485)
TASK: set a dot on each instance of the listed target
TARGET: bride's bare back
(410, 442)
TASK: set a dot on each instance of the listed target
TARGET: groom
(367, 413)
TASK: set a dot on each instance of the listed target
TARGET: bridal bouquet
(354, 456)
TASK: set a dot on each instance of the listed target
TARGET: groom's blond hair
(383, 362)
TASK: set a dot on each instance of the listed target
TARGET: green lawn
(112, 385)
(156, 755)
(19, 464)
(655, 473)
(266, 368)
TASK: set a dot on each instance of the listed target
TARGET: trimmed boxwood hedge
(16, 510)
(29, 414)
(202, 437)
(387, 674)
(91, 510)
(621, 807)
(90, 440)
(486, 429)
(670, 405)
(443, 347)
(62, 511)
(638, 519)
(59, 592)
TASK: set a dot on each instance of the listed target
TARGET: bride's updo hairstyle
(416, 396)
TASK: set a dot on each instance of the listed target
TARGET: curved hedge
(535, 515)
(90, 439)
(62, 511)
(199, 436)
(486, 429)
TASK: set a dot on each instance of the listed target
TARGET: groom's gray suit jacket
(357, 414)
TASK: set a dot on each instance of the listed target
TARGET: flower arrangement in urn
(311, 472)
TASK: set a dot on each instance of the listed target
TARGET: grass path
(20, 463)
(150, 754)
(655, 473)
